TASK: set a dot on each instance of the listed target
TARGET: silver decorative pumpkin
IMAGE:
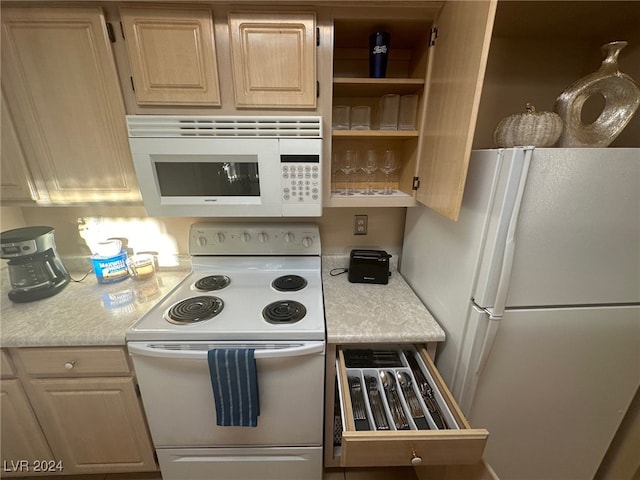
(540, 129)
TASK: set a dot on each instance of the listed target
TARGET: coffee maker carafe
(35, 271)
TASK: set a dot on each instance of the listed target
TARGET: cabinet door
(172, 55)
(16, 182)
(21, 436)
(62, 87)
(274, 59)
(455, 85)
(94, 424)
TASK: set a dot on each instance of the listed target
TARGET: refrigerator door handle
(495, 314)
(487, 343)
(510, 244)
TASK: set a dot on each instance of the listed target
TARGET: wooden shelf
(374, 87)
(375, 133)
(398, 199)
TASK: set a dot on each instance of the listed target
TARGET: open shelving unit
(406, 74)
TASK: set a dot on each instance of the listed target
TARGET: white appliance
(538, 289)
(222, 166)
(252, 286)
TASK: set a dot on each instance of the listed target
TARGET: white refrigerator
(537, 286)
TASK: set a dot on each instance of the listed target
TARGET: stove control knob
(246, 237)
(202, 241)
(263, 237)
(220, 237)
(288, 237)
(307, 241)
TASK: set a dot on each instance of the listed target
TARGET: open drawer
(413, 421)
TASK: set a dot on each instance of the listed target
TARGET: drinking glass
(349, 165)
(361, 117)
(389, 165)
(340, 117)
(408, 112)
(369, 166)
(389, 107)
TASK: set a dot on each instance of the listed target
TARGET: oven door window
(208, 176)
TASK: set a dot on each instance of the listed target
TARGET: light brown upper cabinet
(274, 59)
(172, 55)
(16, 182)
(437, 52)
(63, 92)
(455, 88)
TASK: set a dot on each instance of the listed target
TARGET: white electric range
(252, 286)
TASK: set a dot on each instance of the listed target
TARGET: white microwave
(223, 166)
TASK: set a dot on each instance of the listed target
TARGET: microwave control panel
(301, 180)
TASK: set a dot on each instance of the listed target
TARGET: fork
(379, 416)
(427, 392)
(355, 387)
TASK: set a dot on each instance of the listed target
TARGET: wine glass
(369, 166)
(335, 168)
(389, 165)
(349, 165)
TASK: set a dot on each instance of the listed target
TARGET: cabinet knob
(70, 365)
(415, 459)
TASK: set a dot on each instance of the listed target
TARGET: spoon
(405, 384)
(389, 384)
(404, 379)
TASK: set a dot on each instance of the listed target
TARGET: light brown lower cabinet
(423, 443)
(21, 435)
(83, 412)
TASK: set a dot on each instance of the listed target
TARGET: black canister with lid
(378, 54)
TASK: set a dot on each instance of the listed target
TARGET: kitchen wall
(11, 217)
(169, 235)
(555, 59)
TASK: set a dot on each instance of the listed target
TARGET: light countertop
(369, 313)
(84, 313)
(90, 313)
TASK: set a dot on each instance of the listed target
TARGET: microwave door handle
(148, 350)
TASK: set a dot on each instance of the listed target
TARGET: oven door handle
(198, 351)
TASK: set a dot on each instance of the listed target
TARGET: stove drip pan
(212, 282)
(284, 312)
(289, 283)
(194, 309)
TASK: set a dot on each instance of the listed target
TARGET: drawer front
(6, 367)
(435, 432)
(74, 361)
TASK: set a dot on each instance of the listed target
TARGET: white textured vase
(621, 96)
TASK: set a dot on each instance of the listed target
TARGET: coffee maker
(35, 270)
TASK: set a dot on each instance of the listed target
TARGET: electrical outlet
(360, 224)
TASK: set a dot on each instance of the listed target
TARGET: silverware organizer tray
(380, 408)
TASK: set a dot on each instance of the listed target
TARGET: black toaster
(369, 266)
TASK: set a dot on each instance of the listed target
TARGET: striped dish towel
(235, 387)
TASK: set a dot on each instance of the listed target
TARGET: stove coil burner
(284, 311)
(194, 309)
(289, 283)
(212, 282)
